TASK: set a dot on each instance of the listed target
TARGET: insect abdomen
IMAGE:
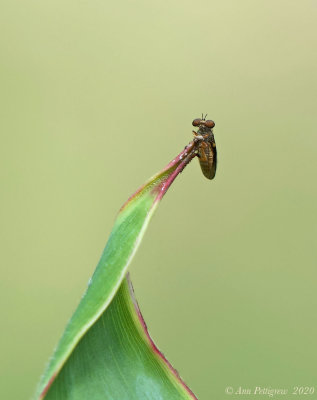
(208, 160)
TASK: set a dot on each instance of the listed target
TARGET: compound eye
(197, 122)
(209, 123)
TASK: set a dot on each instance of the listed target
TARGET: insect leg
(202, 152)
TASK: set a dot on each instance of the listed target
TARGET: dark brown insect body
(206, 146)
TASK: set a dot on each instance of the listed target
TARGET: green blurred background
(96, 97)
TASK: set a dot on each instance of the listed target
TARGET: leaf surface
(105, 351)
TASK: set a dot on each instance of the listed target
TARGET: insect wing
(208, 159)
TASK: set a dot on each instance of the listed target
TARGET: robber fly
(206, 146)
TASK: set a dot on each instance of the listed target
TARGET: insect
(206, 146)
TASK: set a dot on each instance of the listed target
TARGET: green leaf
(105, 351)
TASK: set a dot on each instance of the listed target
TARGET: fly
(206, 146)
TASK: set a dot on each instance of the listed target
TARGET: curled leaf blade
(123, 242)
